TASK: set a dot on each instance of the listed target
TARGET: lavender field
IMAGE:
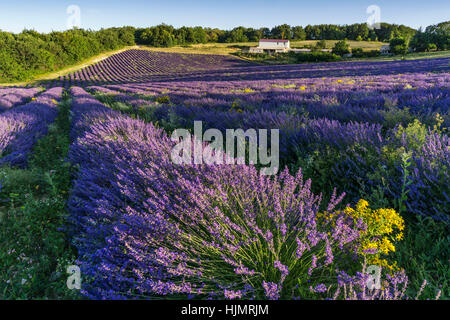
(363, 180)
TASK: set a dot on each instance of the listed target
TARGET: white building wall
(272, 45)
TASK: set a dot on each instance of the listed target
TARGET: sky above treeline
(49, 15)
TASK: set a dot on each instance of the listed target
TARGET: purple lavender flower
(230, 294)
(271, 290)
(320, 288)
(284, 269)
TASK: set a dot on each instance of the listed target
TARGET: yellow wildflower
(383, 227)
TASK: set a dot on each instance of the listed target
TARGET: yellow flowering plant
(384, 227)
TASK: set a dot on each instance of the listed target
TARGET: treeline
(435, 37)
(30, 53)
(166, 35)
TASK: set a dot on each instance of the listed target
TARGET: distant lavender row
(21, 127)
(12, 97)
(139, 66)
(142, 65)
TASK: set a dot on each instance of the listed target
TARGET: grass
(35, 252)
(424, 254)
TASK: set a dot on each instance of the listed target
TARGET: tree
(163, 39)
(312, 32)
(107, 38)
(265, 32)
(399, 46)
(126, 36)
(440, 35)
(146, 37)
(253, 35)
(372, 36)
(213, 35)
(200, 35)
(284, 31)
(420, 41)
(237, 35)
(435, 37)
(341, 48)
(358, 30)
(298, 33)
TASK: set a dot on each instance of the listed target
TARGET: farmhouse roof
(273, 40)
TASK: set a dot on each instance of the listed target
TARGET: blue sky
(48, 15)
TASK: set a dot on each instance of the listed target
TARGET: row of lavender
(146, 228)
(12, 97)
(143, 65)
(21, 127)
(331, 127)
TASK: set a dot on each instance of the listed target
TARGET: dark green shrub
(341, 48)
(316, 57)
(358, 53)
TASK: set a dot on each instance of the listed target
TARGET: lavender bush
(21, 127)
